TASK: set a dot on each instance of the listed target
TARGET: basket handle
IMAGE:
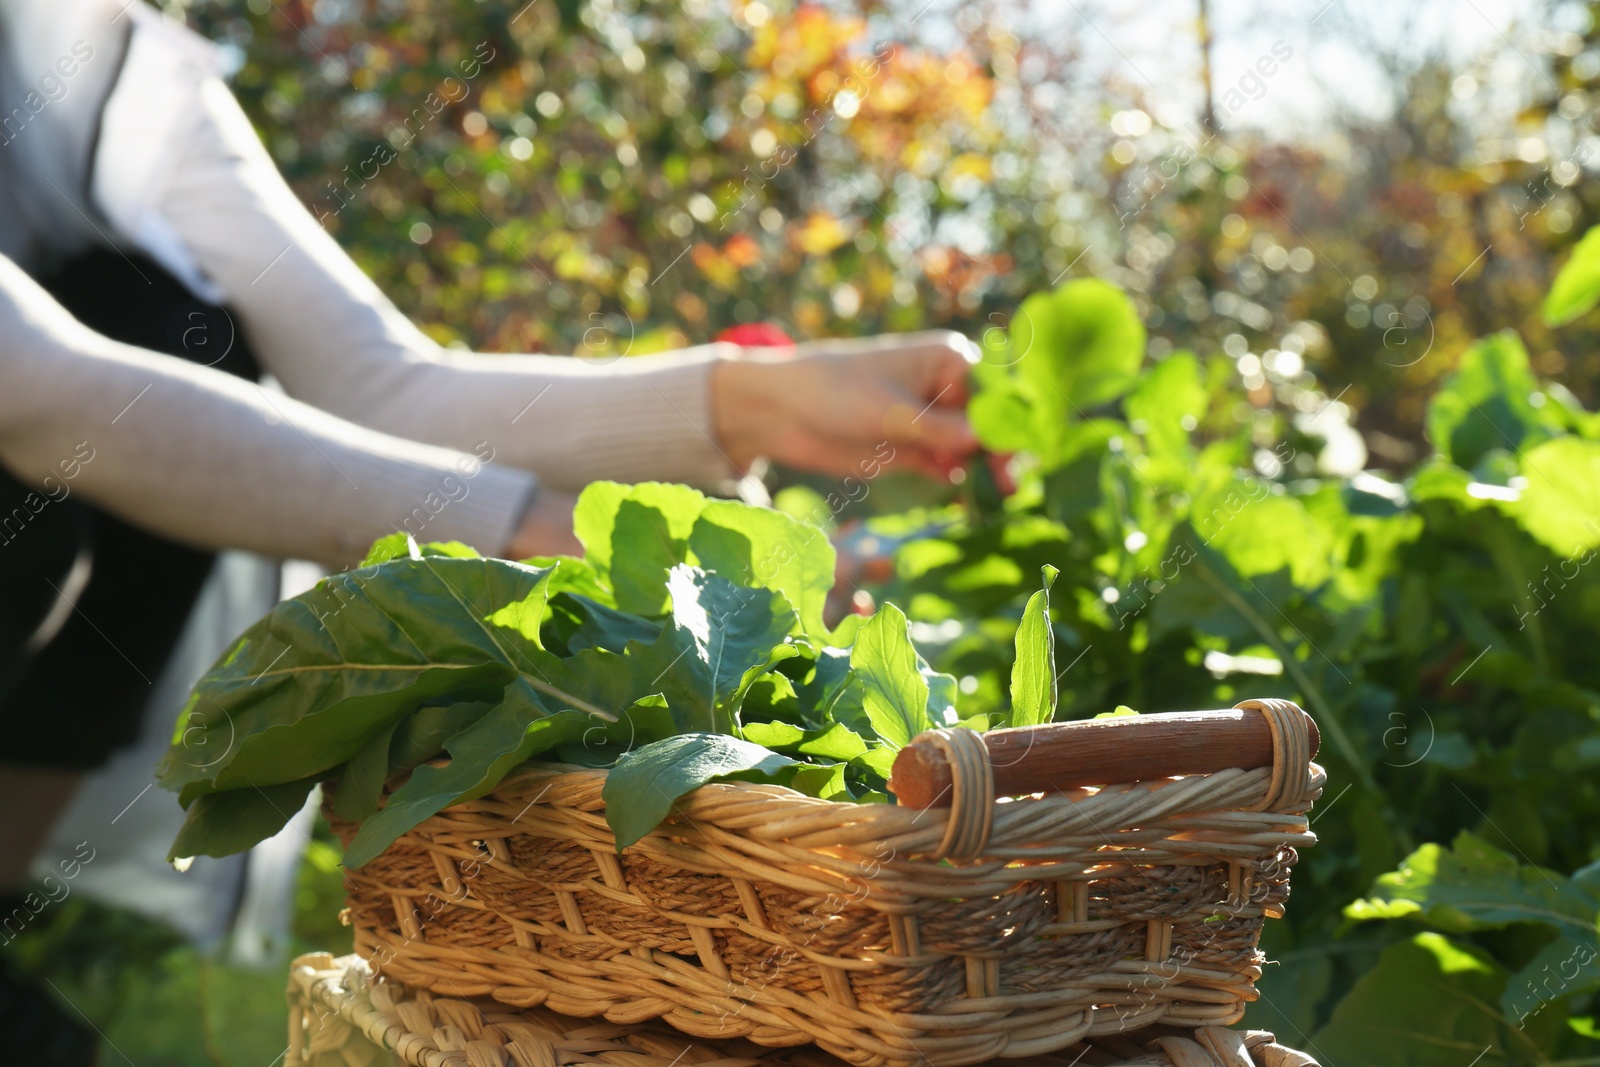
(1035, 759)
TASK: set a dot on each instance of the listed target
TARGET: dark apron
(91, 607)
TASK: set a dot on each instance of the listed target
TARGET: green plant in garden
(1439, 624)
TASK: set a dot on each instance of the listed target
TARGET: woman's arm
(205, 458)
(326, 332)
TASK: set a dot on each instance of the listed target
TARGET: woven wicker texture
(758, 912)
(341, 1016)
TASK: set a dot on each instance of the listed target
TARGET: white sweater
(383, 425)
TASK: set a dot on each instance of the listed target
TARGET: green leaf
(1486, 404)
(1078, 346)
(1261, 531)
(1473, 886)
(641, 789)
(826, 782)
(311, 685)
(361, 785)
(224, 823)
(1033, 675)
(394, 546)
(942, 690)
(773, 735)
(878, 760)
(593, 518)
(402, 546)
(421, 735)
(804, 504)
(1577, 285)
(770, 697)
(837, 742)
(635, 536)
(1560, 505)
(1427, 1003)
(575, 576)
(1214, 600)
(760, 547)
(1121, 711)
(306, 687)
(720, 637)
(482, 755)
(588, 623)
(895, 693)
(1440, 479)
(1170, 392)
(1003, 418)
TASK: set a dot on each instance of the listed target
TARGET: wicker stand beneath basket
(340, 1015)
(758, 912)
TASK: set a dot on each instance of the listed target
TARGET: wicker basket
(758, 912)
(341, 1016)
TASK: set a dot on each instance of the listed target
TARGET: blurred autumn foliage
(557, 176)
(617, 178)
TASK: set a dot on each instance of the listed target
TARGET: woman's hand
(831, 405)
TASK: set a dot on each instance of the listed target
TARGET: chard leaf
(421, 735)
(895, 694)
(837, 742)
(1078, 346)
(1002, 417)
(361, 785)
(826, 782)
(1033, 676)
(1262, 532)
(878, 760)
(830, 692)
(590, 624)
(755, 546)
(1450, 985)
(774, 735)
(1560, 505)
(770, 697)
(482, 755)
(719, 638)
(1487, 403)
(633, 535)
(402, 546)
(308, 685)
(643, 785)
(1474, 886)
(1577, 285)
(593, 517)
(224, 823)
(575, 576)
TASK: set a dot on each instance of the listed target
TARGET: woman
(153, 264)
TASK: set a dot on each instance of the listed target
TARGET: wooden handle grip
(1036, 759)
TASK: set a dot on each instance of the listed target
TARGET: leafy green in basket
(641, 788)
(424, 677)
